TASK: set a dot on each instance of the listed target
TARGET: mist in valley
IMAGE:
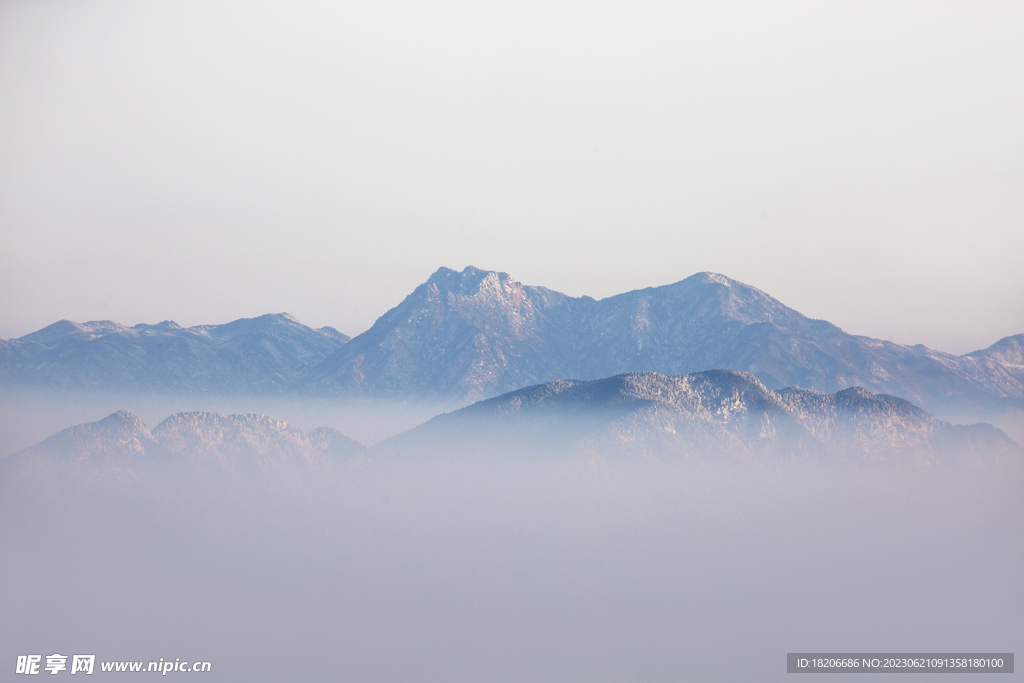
(477, 564)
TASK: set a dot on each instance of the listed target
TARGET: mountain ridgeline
(715, 415)
(121, 448)
(476, 334)
(268, 354)
(465, 336)
(711, 417)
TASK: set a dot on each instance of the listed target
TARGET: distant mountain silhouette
(121, 448)
(717, 414)
(267, 354)
(250, 442)
(708, 416)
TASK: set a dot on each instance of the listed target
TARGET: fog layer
(539, 568)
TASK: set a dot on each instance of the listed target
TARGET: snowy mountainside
(117, 448)
(458, 335)
(470, 335)
(718, 414)
(122, 447)
(249, 441)
(476, 334)
(267, 354)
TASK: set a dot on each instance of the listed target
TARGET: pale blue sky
(204, 161)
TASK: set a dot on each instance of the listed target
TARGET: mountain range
(477, 334)
(121, 447)
(718, 415)
(464, 336)
(268, 354)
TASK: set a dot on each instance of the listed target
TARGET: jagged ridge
(464, 336)
(718, 414)
(475, 334)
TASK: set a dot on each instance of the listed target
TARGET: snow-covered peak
(53, 334)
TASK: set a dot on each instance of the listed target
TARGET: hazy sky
(861, 161)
